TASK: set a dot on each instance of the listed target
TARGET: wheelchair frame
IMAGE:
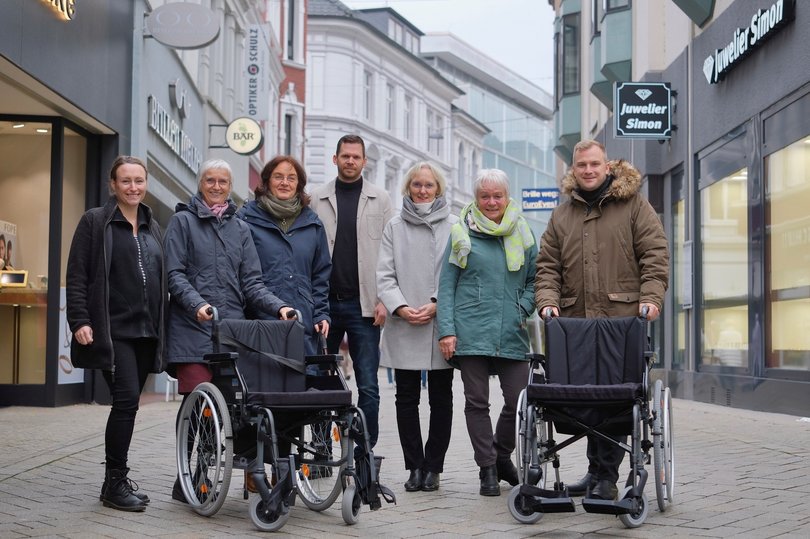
(536, 447)
(324, 441)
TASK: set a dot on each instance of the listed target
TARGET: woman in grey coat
(211, 260)
(410, 259)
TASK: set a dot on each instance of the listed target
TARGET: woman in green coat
(486, 294)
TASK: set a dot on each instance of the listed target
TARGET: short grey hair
(213, 164)
(437, 174)
(491, 176)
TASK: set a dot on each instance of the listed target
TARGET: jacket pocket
(468, 295)
(374, 225)
(624, 297)
(567, 302)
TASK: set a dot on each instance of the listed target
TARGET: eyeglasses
(281, 178)
(418, 186)
(211, 182)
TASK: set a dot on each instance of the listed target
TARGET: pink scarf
(218, 209)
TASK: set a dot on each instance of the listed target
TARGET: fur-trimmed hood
(626, 181)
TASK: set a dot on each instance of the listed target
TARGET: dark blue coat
(295, 265)
(215, 262)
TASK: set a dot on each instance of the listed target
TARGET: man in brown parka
(603, 254)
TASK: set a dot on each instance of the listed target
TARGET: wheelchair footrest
(608, 507)
(547, 501)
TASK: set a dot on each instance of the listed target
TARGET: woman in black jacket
(116, 291)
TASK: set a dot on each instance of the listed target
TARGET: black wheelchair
(592, 380)
(263, 405)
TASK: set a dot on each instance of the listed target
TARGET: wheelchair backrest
(260, 373)
(596, 351)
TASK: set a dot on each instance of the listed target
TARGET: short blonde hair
(587, 144)
(437, 175)
(493, 176)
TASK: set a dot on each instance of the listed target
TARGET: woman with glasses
(292, 245)
(211, 261)
(408, 267)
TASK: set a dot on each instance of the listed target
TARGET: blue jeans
(364, 347)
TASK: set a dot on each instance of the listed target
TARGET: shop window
(681, 275)
(787, 196)
(724, 271)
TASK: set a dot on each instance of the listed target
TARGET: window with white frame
(368, 94)
(390, 106)
(407, 120)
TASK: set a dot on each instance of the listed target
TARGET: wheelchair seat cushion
(584, 395)
(314, 399)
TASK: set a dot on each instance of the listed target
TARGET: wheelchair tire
(350, 505)
(319, 485)
(205, 449)
(663, 446)
(634, 520)
(530, 435)
(521, 515)
(263, 520)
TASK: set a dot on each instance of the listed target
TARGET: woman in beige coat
(408, 269)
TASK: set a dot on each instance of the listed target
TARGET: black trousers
(430, 456)
(133, 361)
(604, 458)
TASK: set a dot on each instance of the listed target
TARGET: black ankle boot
(507, 471)
(118, 493)
(489, 481)
(140, 495)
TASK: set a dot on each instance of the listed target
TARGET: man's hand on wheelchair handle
(652, 311)
(323, 328)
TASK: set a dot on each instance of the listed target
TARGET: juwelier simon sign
(65, 8)
(744, 41)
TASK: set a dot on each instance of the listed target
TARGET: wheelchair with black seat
(594, 379)
(264, 406)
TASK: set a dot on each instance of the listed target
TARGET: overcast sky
(517, 33)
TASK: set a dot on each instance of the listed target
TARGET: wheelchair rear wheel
(663, 446)
(205, 449)
(530, 436)
(321, 463)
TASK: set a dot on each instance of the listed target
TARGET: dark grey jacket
(215, 262)
(88, 287)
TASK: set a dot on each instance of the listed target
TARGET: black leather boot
(118, 493)
(489, 481)
(140, 495)
(507, 471)
(580, 487)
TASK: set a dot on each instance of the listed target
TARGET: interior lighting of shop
(17, 126)
(42, 130)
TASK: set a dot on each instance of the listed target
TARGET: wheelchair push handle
(548, 313)
(213, 312)
(645, 312)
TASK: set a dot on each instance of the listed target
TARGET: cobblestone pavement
(739, 474)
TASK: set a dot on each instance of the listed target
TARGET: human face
(423, 186)
(491, 199)
(350, 161)
(590, 168)
(283, 181)
(129, 185)
(215, 186)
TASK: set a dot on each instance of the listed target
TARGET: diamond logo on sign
(708, 68)
(643, 94)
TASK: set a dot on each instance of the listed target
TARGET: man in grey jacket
(354, 213)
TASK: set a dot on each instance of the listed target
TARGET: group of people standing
(452, 291)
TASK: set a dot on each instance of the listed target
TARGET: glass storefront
(680, 281)
(787, 241)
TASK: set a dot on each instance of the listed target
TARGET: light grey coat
(410, 260)
(373, 212)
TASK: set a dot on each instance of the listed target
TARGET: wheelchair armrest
(537, 360)
(221, 357)
(323, 359)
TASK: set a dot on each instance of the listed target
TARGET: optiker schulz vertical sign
(257, 73)
(764, 23)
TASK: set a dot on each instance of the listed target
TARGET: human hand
(323, 328)
(447, 345)
(84, 335)
(417, 317)
(205, 313)
(652, 311)
(549, 311)
(287, 313)
(379, 314)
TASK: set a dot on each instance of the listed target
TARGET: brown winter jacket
(603, 263)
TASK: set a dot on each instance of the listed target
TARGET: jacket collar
(253, 214)
(626, 181)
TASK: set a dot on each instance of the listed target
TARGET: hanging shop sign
(257, 73)
(764, 23)
(540, 199)
(65, 8)
(643, 109)
(244, 136)
(170, 132)
(182, 25)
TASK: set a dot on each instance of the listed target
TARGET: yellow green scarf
(517, 236)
